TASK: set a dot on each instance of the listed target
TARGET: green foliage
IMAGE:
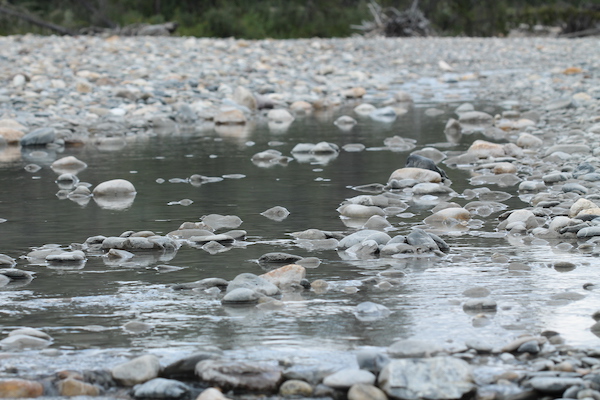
(282, 19)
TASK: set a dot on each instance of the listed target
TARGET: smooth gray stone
(241, 296)
(357, 237)
(529, 347)
(589, 231)
(253, 282)
(574, 187)
(419, 238)
(432, 378)
(369, 311)
(569, 149)
(554, 385)
(39, 137)
(20, 342)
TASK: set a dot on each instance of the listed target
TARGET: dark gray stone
(39, 137)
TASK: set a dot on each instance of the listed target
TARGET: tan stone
(20, 388)
(454, 213)
(74, 387)
(504, 168)
(211, 394)
(230, 117)
(301, 107)
(589, 211)
(418, 174)
(286, 275)
(354, 93)
(84, 87)
(580, 205)
(12, 136)
(11, 123)
(362, 391)
(485, 149)
(295, 387)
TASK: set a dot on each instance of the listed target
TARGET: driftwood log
(393, 23)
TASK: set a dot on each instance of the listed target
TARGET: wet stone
(161, 388)
(345, 378)
(136, 371)
(253, 377)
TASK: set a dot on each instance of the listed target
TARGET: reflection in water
(86, 307)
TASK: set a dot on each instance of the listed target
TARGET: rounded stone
(114, 188)
(295, 387)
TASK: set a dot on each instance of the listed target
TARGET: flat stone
(430, 378)
(554, 385)
(254, 377)
(413, 348)
(20, 388)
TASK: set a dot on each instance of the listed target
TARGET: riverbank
(88, 91)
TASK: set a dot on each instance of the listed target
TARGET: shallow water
(86, 308)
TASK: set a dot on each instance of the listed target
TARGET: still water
(86, 308)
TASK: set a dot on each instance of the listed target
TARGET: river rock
(276, 213)
(433, 378)
(295, 388)
(480, 305)
(10, 135)
(345, 378)
(581, 205)
(279, 115)
(39, 137)
(358, 237)
(161, 388)
(250, 281)
(413, 348)
(184, 368)
(138, 370)
(419, 238)
(114, 188)
(569, 149)
(368, 311)
(475, 118)
(6, 261)
(278, 258)
(230, 117)
(212, 394)
(68, 164)
(454, 215)
(554, 385)
(216, 221)
(528, 141)
(241, 296)
(67, 256)
(20, 388)
(245, 98)
(21, 342)
(74, 387)
(417, 174)
(286, 276)
(359, 211)
(485, 149)
(364, 109)
(30, 332)
(242, 376)
(363, 391)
